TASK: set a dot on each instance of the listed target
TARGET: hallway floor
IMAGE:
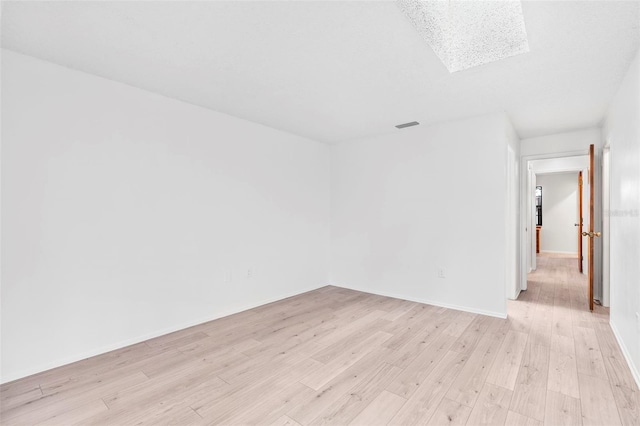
(588, 380)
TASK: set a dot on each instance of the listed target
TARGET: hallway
(588, 380)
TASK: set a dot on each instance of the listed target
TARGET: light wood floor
(343, 357)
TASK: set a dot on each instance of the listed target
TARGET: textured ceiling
(335, 71)
(465, 34)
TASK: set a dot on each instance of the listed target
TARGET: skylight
(465, 34)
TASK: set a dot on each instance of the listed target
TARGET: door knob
(591, 234)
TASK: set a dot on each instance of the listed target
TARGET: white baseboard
(625, 353)
(559, 252)
(142, 338)
(428, 302)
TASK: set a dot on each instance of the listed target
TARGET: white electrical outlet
(441, 272)
(249, 273)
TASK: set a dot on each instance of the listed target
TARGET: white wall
(559, 212)
(622, 131)
(126, 215)
(423, 199)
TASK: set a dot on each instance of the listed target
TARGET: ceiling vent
(402, 126)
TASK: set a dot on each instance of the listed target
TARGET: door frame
(606, 242)
(512, 284)
(592, 222)
(527, 227)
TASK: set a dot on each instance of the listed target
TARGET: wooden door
(580, 222)
(591, 234)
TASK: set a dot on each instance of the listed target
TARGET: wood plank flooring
(336, 356)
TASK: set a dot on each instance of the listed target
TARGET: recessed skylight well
(465, 34)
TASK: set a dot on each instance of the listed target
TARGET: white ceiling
(335, 71)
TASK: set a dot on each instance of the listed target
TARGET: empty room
(320, 212)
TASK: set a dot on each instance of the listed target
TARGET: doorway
(548, 164)
(558, 212)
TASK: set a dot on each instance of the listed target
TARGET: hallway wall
(622, 131)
